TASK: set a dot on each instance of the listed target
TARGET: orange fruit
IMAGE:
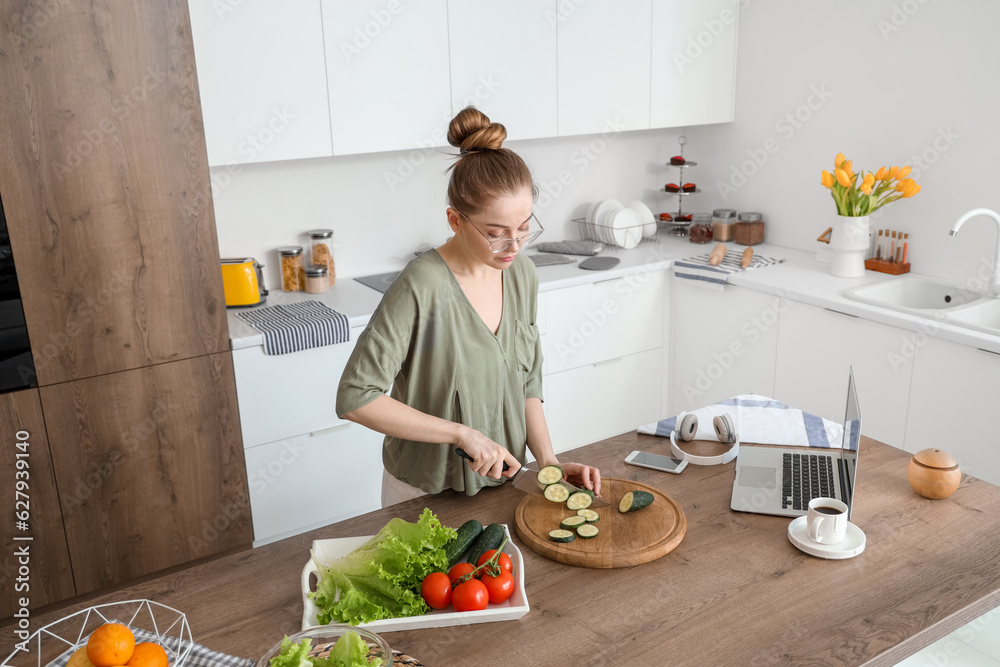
(110, 645)
(79, 658)
(148, 654)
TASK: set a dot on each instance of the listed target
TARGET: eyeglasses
(499, 244)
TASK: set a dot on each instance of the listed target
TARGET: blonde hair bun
(471, 131)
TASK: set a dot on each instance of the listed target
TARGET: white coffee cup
(827, 520)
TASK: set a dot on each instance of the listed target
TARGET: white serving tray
(330, 550)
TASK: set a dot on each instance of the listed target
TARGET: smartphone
(656, 462)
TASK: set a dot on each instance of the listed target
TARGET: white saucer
(853, 544)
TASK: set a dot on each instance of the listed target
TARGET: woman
(455, 337)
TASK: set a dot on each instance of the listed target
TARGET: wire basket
(621, 237)
(54, 643)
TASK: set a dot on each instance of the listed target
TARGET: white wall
(381, 208)
(897, 76)
(900, 74)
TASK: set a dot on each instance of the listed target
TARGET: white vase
(850, 242)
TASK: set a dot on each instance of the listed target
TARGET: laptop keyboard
(804, 477)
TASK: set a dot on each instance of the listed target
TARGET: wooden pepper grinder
(934, 473)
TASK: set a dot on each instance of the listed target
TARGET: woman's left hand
(578, 474)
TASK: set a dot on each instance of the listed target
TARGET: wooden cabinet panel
(106, 188)
(816, 347)
(953, 400)
(50, 578)
(724, 344)
(512, 80)
(171, 483)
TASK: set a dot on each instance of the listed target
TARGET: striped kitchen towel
(292, 327)
(760, 420)
(698, 270)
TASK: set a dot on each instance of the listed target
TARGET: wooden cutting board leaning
(624, 539)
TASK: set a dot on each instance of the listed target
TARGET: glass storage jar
(749, 229)
(293, 278)
(701, 228)
(317, 279)
(723, 220)
(321, 242)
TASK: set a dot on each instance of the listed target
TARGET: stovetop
(379, 282)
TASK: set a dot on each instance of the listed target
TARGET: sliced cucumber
(549, 475)
(579, 501)
(587, 531)
(634, 501)
(561, 535)
(590, 515)
(571, 522)
(557, 493)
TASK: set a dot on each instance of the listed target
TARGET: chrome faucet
(995, 281)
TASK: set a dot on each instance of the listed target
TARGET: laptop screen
(851, 444)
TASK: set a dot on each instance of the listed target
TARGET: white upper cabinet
(503, 61)
(694, 62)
(604, 66)
(388, 74)
(262, 79)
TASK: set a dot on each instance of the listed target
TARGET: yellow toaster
(243, 282)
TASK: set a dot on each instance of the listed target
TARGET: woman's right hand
(487, 456)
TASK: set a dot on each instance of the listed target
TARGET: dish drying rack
(591, 231)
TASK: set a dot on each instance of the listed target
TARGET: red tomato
(459, 570)
(504, 561)
(470, 596)
(436, 590)
(499, 588)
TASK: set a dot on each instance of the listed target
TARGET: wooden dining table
(735, 591)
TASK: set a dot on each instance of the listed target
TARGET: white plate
(627, 228)
(647, 217)
(330, 550)
(853, 544)
(602, 219)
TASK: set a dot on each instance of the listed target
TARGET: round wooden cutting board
(625, 539)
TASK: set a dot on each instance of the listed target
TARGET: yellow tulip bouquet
(875, 190)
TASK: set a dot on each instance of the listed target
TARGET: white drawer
(605, 320)
(284, 395)
(588, 404)
(312, 480)
(542, 312)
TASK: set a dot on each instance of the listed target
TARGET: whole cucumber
(467, 533)
(491, 538)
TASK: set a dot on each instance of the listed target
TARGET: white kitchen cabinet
(694, 62)
(605, 320)
(284, 395)
(262, 80)
(953, 404)
(388, 74)
(503, 61)
(604, 66)
(816, 347)
(724, 344)
(593, 402)
(310, 481)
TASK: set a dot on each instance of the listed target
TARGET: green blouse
(428, 342)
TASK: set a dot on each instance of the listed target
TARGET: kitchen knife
(525, 480)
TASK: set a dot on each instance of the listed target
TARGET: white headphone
(687, 426)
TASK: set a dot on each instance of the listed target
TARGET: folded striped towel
(298, 326)
(760, 420)
(698, 270)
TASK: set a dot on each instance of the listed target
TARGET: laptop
(782, 480)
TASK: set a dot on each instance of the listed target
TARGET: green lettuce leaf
(381, 578)
(293, 654)
(349, 651)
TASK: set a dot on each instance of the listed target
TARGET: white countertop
(799, 278)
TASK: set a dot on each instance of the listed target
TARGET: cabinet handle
(831, 310)
(988, 351)
(607, 361)
(324, 431)
(606, 280)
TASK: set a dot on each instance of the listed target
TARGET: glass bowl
(323, 639)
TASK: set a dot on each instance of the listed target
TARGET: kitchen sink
(983, 316)
(914, 294)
